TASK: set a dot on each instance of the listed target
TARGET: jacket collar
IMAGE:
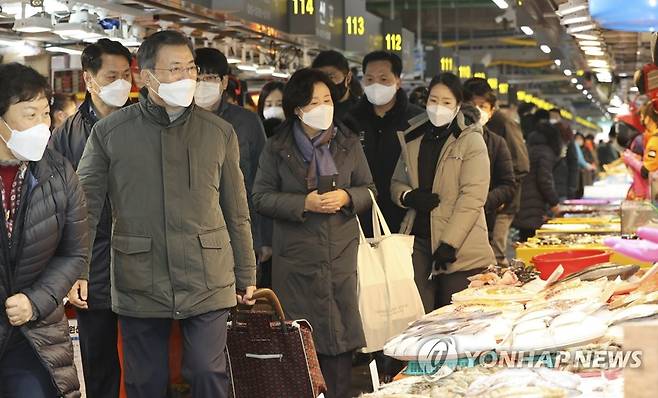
(157, 113)
(399, 108)
(223, 106)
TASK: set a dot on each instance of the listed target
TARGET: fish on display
(605, 270)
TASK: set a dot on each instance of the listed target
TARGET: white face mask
(178, 93)
(484, 117)
(274, 112)
(379, 94)
(116, 93)
(553, 121)
(30, 144)
(441, 115)
(207, 94)
(319, 117)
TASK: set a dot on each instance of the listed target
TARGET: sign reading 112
(302, 7)
(394, 42)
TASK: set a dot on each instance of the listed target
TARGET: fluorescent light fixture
(527, 30)
(575, 20)
(584, 36)
(79, 30)
(579, 86)
(567, 72)
(574, 80)
(38, 23)
(233, 60)
(591, 48)
(248, 67)
(502, 4)
(604, 77)
(598, 63)
(581, 28)
(281, 74)
(265, 70)
(558, 62)
(595, 52)
(594, 43)
(546, 49)
(634, 89)
(64, 50)
(570, 7)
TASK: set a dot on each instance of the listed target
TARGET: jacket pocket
(217, 258)
(133, 263)
(203, 170)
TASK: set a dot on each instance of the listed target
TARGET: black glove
(644, 172)
(422, 200)
(444, 256)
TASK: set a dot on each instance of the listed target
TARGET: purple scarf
(316, 153)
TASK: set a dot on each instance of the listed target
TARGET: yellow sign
(520, 95)
(493, 83)
(446, 64)
(356, 26)
(464, 72)
(503, 88)
(481, 75)
(303, 7)
(394, 42)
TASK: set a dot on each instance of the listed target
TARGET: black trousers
(449, 284)
(146, 355)
(525, 233)
(23, 375)
(100, 356)
(337, 373)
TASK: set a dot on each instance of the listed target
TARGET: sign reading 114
(302, 7)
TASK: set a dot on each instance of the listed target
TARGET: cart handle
(270, 296)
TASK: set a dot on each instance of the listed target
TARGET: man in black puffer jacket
(538, 193)
(106, 66)
(43, 244)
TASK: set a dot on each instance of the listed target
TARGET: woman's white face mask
(319, 117)
(441, 115)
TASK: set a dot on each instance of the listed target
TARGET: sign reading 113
(394, 42)
(356, 26)
(302, 7)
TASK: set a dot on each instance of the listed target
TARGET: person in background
(526, 112)
(355, 86)
(313, 179)
(270, 106)
(586, 168)
(62, 106)
(233, 92)
(382, 112)
(538, 192)
(614, 144)
(418, 97)
(566, 172)
(106, 71)
(212, 82)
(442, 181)
(606, 151)
(46, 220)
(502, 185)
(181, 240)
(335, 65)
(590, 153)
(511, 132)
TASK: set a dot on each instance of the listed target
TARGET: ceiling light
(527, 30)
(589, 96)
(502, 4)
(579, 86)
(576, 19)
(598, 63)
(570, 7)
(546, 49)
(79, 30)
(38, 23)
(634, 89)
(574, 80)
(265, 70)
(604, 77)
(558, 62)
(281, 74)
(581, 28)
(596, 53)
(585, 92)
(233, 60)
(584, 36)
(567, 72)
(64, 50)
(248, 67)
(591, 48)
(594, 43)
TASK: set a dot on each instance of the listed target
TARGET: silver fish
(605, 270)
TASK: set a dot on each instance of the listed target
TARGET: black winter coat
(48, 257)
(538, 193)
(502, 185)
(314, 255)
(567, 173)
(70, 139)
(382, 148)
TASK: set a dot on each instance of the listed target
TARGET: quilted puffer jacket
(48, 254)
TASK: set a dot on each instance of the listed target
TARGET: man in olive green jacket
(181, 243)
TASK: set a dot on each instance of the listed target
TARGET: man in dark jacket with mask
(335, 65)
(382, 112)
(106, 71)
(511, 132)
(209, 95)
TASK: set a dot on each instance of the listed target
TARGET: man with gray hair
(181, 243)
